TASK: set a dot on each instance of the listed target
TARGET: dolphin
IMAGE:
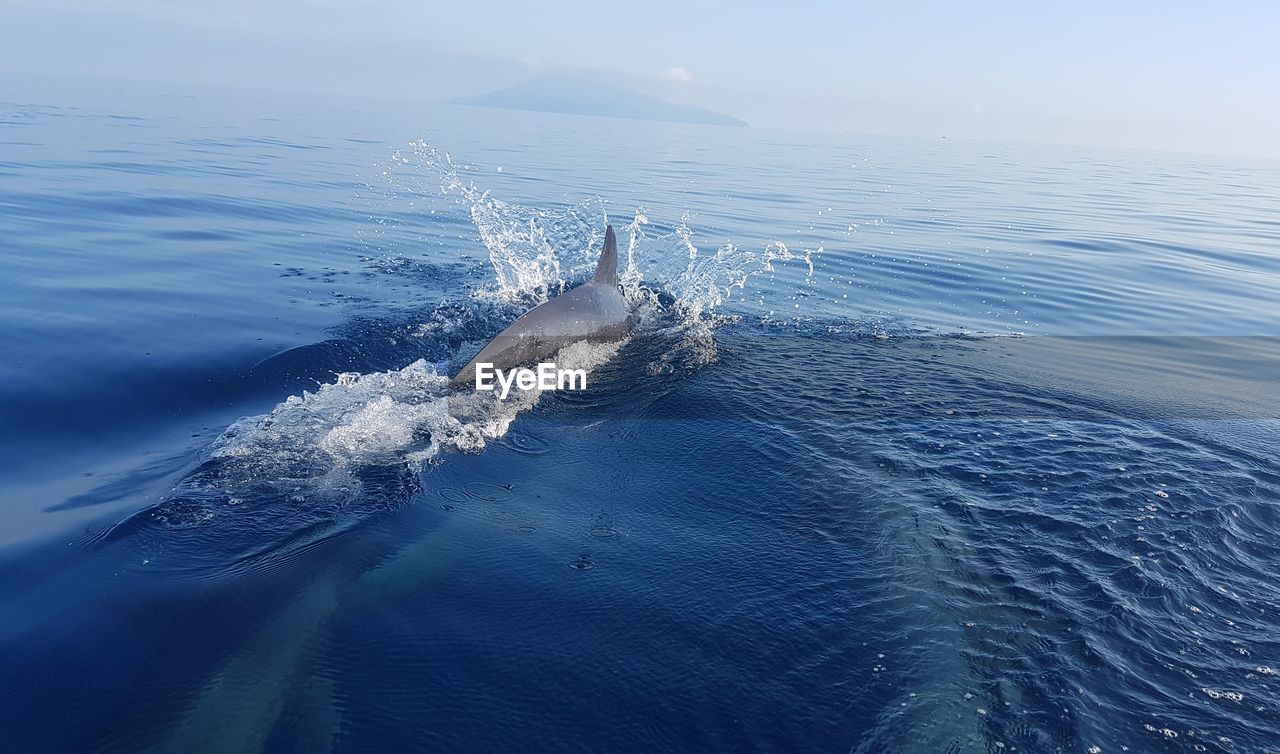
(594, 311)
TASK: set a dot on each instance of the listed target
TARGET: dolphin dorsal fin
(607, 269)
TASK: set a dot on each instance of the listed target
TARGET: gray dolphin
(594, 311)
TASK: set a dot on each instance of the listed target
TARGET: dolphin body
(594, 311)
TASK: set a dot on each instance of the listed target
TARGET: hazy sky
(1201, 77)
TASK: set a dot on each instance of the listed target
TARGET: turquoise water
(921, 445)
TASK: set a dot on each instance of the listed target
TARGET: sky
(1183, 76)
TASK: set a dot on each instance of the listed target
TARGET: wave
(357, 445)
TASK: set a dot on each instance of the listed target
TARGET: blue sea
(919, 445)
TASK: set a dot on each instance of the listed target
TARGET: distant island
(577, 96)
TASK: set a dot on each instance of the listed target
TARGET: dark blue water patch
(527, 441)
(124, 650)
(882, 584)
(601, 691)
(407, 271)
(125, 486)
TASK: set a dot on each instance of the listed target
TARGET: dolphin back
(595, 312)
(607, 269)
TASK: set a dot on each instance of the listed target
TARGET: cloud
(678, 73)
(531, 61)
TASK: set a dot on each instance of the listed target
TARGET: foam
(313, 447)
(536, 253)
(404, 416)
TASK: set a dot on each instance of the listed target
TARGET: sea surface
(920, 445)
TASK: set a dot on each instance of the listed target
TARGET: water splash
(674, 286)
(315, 453)
(536, 253)
(314, 450)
